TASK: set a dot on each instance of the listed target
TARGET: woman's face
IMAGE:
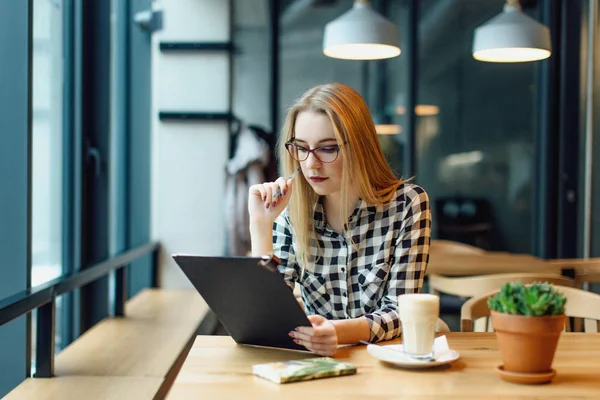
(314, 130)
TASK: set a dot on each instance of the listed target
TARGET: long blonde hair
(365, 165)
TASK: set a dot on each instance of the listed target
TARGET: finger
(321, 349)
(282, 186)
(306, 330)
(316, 320)
(323, 331)
(273, 187)
(324, 339)
(268, 194)
(258, 190)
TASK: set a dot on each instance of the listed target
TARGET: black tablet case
(255, 305)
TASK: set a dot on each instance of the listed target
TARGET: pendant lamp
(361, 34)
(511, 36)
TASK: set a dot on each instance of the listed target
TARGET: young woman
(346, 229)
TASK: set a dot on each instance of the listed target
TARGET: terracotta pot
(527, 344)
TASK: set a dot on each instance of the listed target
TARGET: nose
(312, 162)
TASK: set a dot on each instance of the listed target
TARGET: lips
(317, 179)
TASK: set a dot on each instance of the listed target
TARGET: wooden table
(124, 358)
(87, 387)
(163, 320)
(454, 264)
(217, 368)
(464, 265)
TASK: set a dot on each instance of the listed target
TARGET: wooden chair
(473, 286)
(448, 246)
(580, 305)
(440, 249)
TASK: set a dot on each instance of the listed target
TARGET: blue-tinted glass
(475, 135)
(47, 152)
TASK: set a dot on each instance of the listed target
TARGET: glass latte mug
(418, 315)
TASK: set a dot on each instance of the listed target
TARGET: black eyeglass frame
(291, 143)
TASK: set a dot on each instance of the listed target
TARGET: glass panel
(594, 247)
(303, 65)
(393, 91)
(302, 62)
(252, 63)
(47, 187)
(475, 152)
(595, 214)
(47, 151)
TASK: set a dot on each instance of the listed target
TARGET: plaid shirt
(345, 282)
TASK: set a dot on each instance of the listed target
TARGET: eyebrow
(319, 142)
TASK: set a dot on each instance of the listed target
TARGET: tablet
(253, 303)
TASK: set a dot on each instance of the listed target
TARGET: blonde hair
(365, 165)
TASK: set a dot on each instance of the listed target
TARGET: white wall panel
(189, 157)
(194, 20)
(194, 81)
(191, 180)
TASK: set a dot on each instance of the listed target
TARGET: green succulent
(535, 300)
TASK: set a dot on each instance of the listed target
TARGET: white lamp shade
(361, 34)
(511, 36)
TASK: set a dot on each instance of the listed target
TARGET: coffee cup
(418, 316)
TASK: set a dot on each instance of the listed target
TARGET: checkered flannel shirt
(345, 282)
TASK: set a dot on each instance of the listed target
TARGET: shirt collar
(361, 209)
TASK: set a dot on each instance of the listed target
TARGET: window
(475, 152)
(47, 143)
(302, 62)
(47, 153)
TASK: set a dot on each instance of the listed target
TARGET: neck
(333, 203)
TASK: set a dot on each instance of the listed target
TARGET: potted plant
(528, 320)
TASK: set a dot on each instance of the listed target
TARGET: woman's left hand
(321, 338)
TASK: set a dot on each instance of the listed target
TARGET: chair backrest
(448, 246)
(583, 306)
(477, 285)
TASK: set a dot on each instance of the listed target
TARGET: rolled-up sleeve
(411, 255)
(284, 249)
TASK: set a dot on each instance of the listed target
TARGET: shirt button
(344, 294)
(343, 270)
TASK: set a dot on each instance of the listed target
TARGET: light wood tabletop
(218, 368)
(161, 320)
(484, 264)
(87, 387)
(463, 264)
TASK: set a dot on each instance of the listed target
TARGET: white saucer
(391, 354)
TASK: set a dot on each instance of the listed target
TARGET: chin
(322, 191)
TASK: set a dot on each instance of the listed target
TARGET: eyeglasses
(325, 154)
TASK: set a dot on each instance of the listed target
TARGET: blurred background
(126, 121)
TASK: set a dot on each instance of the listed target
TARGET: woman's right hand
(262, 205)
